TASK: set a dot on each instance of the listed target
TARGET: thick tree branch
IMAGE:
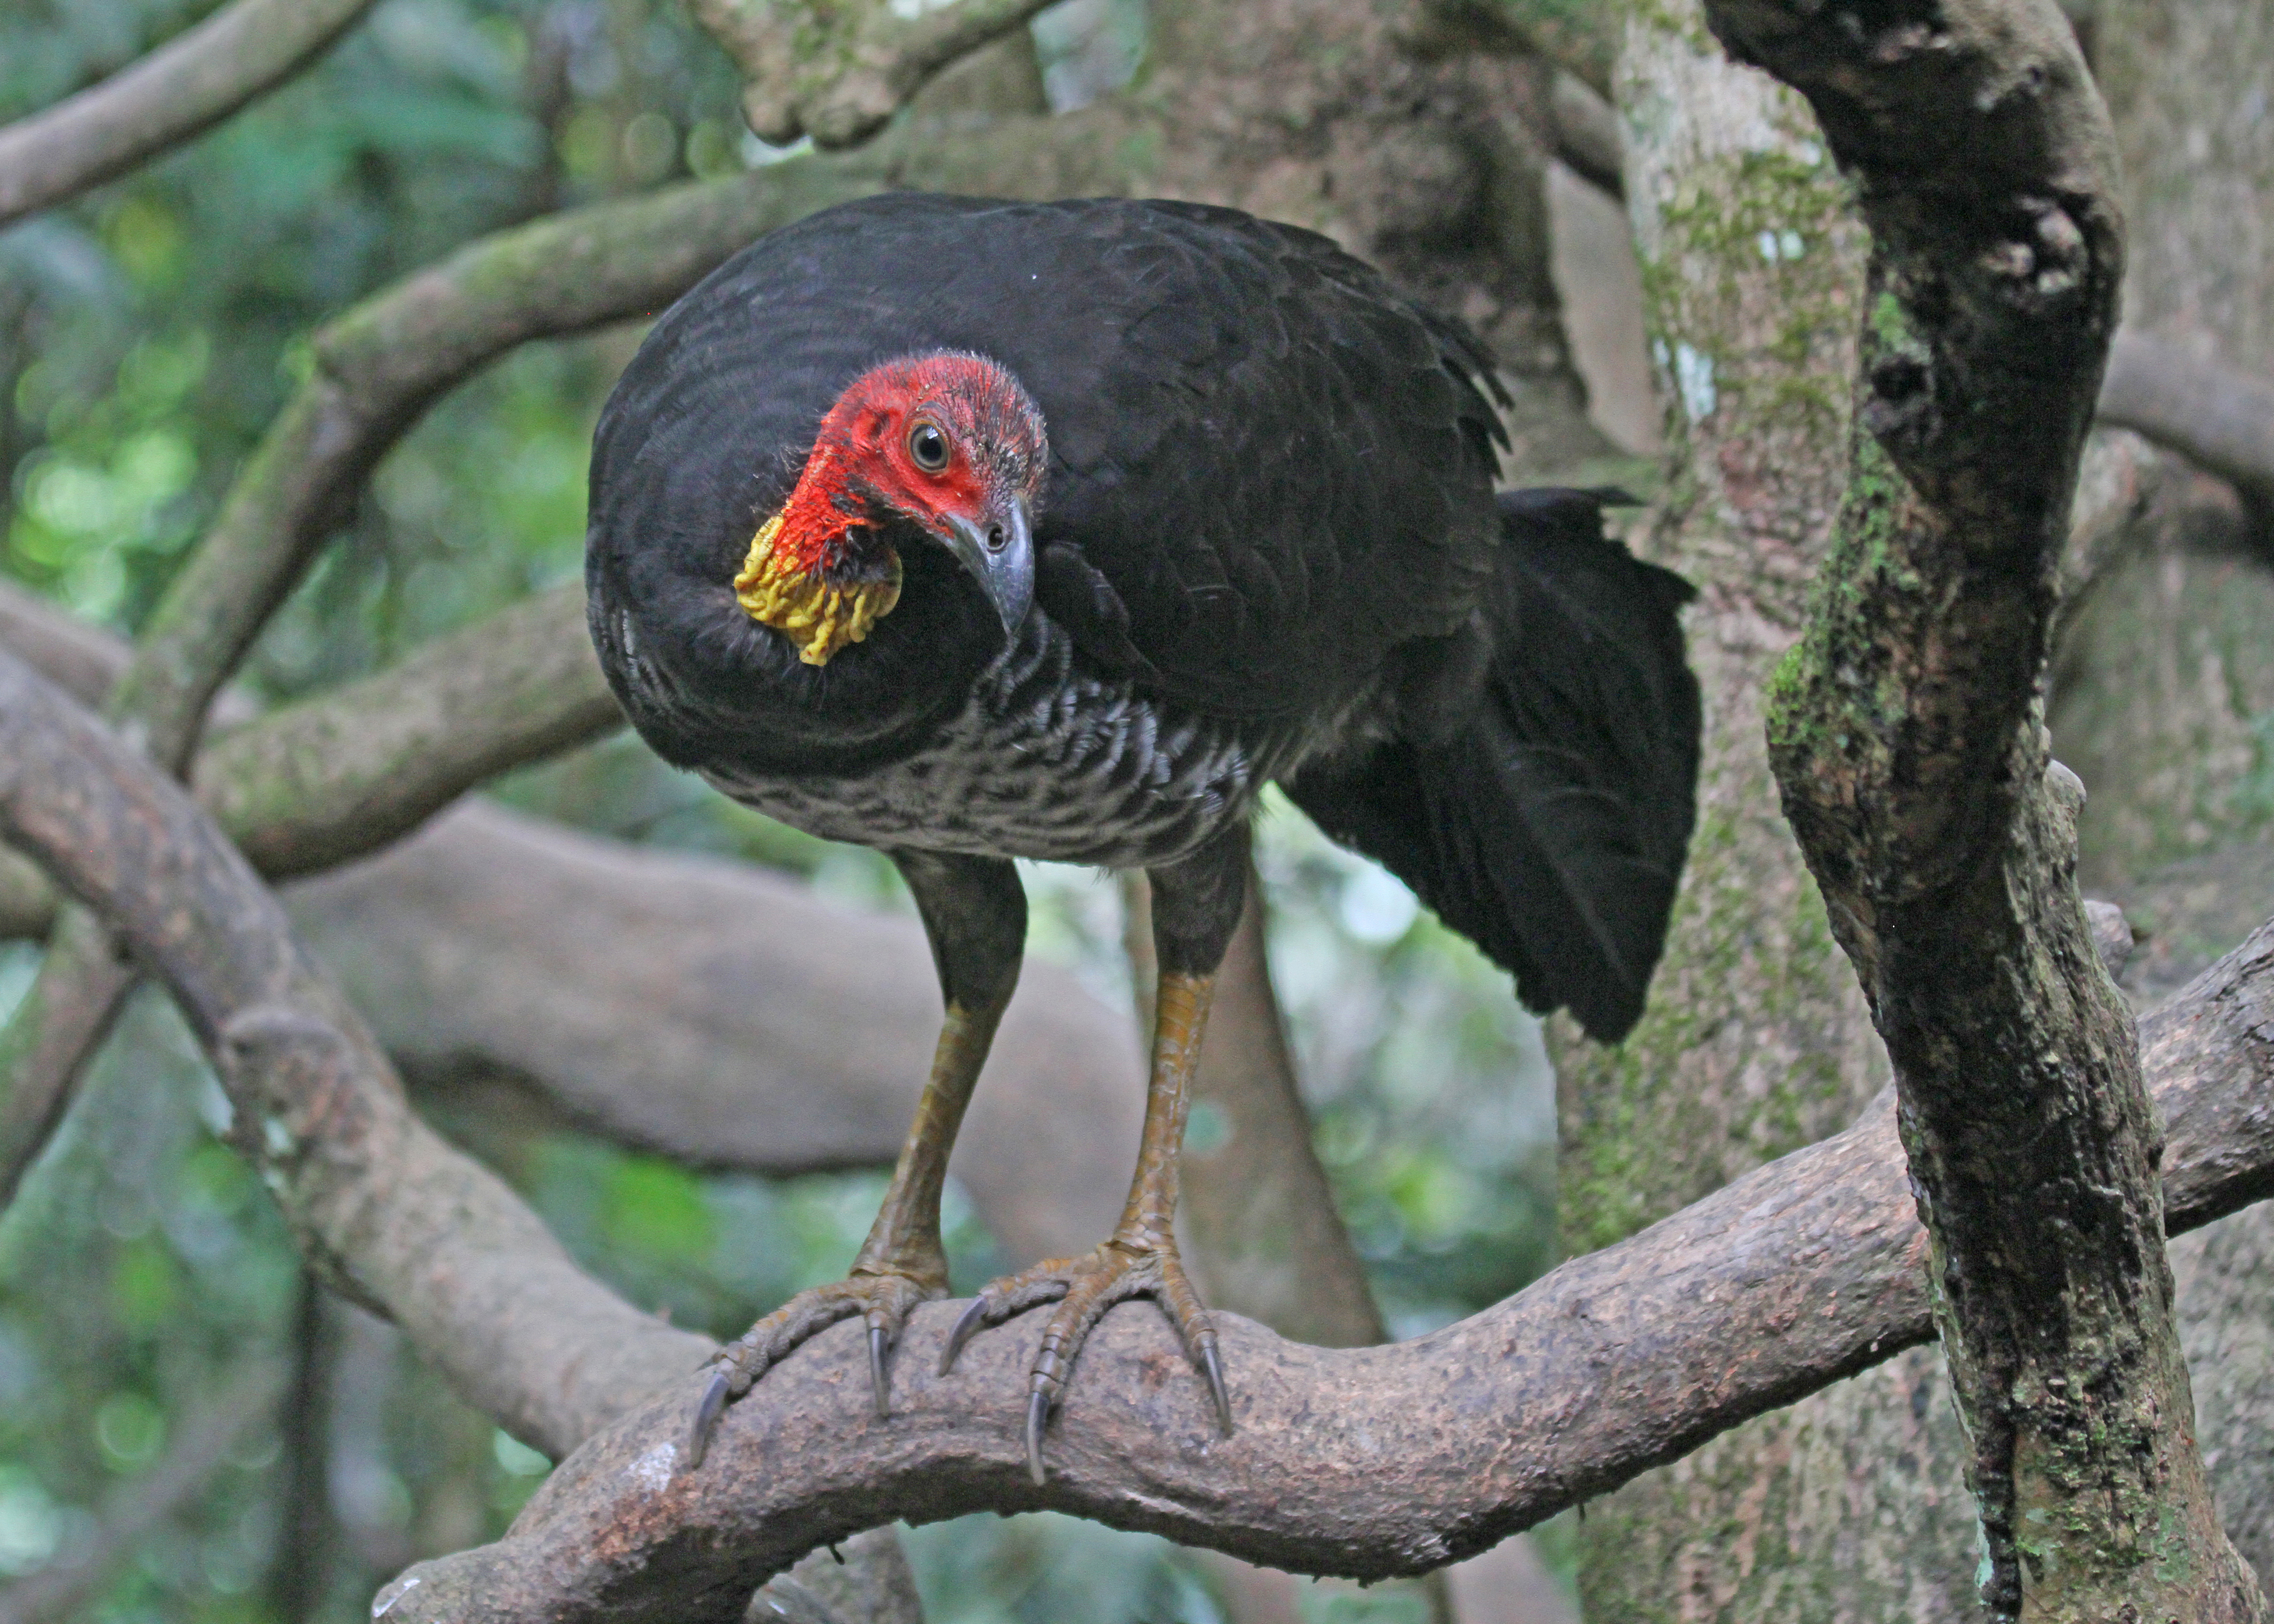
(385, 1212)
(837, 71)
(1368, 1462)
(1907, 738)
(188, 85)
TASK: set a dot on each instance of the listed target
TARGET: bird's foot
(1083, 1289)
(883, 1297)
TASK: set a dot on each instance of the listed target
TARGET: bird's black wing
(1267, 470)
(1551, 829)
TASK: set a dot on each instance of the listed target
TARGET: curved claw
(1038, 1410)
(707, 1412)
(1212, 1366)
(878, 1343)
(967, 1324)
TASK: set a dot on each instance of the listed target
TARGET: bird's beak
(999, 552)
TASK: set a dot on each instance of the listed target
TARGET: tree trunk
(1757, 1039)
(1851, 1504)
(2167, 700)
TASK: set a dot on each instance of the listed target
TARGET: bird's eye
(928, 446)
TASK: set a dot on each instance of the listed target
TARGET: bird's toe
(883, 1300)
(1084, 1290)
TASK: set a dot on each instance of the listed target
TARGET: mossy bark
(1757, 1039)
(2167, 696)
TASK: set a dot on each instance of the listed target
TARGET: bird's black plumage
(1268, 523)
(1548, 825)
(1280, 469)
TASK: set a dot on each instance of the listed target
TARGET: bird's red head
(948, 443)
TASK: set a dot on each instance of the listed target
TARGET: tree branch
(341, 774)
(385, 1211)
(1907, 736)
(183, 88)
(2221, 419)
(1368, 1461)
(839, 72)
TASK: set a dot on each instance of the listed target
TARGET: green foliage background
(146, 333)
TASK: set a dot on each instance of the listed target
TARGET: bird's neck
(818, 572)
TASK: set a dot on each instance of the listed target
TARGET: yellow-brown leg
(974, 913)
(1195, 905)
(1138, 1258)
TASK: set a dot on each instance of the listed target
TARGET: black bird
(972, 531)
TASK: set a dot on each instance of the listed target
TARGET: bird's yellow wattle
(818, 617)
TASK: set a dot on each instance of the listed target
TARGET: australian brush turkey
(973, 530)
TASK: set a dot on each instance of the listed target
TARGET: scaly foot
(1084, 1288)
(883, 1297)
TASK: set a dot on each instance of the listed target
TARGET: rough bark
(1907, 736)
(185, 87)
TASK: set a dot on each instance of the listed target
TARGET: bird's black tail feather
(1550, 829)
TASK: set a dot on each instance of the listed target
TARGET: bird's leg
(974, 913)
(1196, 904)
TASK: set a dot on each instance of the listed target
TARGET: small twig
(186, 85)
